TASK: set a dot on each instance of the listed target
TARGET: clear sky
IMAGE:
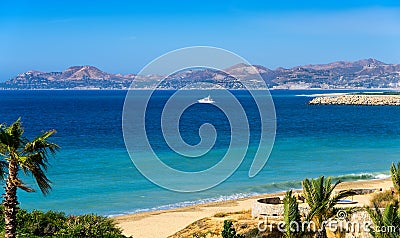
(123, 36)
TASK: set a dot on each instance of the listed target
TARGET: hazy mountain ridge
(366, 73)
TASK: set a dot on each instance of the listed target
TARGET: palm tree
(318, 195)
(21, 154)
(395, 174)
(389, 220)
(291, 216)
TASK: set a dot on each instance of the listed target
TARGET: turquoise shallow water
(94, 174)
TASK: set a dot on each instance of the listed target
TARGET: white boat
(206, 100)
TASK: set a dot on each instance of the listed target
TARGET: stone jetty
(367, 100)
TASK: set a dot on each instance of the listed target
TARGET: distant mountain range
(366, 73)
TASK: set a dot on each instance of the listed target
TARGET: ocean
(93, 173)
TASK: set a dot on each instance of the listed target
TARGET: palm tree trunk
(10, 201)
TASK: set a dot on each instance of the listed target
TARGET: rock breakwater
(368, 100)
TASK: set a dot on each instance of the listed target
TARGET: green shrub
(39, 223)
(229, 231)
(91, 226)
(57, 224)
(220, 214)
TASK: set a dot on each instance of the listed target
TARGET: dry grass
(211, 227)
(382, 198)
(221, 214)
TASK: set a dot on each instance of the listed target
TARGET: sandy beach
(166, 223)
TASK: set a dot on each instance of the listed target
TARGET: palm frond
(308, 191)
(41, 179)
(17, 182)
(12, 136)
(3, 149)
(36, 165)
(395, 174)
(376, 217)
(41, 144)
(3, 169)
(291, 216)
(35, 159)
(15, 132)
(390, 218)
(5, 137)
(318, 194)
(31, 156)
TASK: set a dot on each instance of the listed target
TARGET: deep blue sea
(93, 173)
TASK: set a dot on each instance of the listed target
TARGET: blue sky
(123, 36)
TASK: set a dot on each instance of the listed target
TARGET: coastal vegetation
(395, 174)
(382, 199)
(291, 215)
(229, 231)
(389, 220)
(31, 156)
(318, 194)
(58, 224)
(390, 216)
(321, 197)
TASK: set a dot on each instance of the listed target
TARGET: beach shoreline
(164, 223)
